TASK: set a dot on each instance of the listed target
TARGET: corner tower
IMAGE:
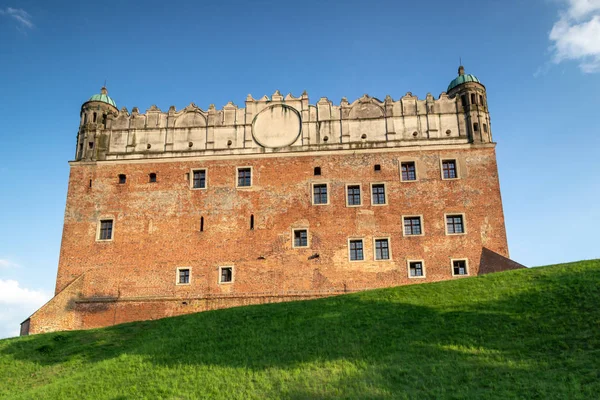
(92, 120)
(472, 103)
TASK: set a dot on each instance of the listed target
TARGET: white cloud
(16, 304)
(20, 15)
(8, 264)
(576, 35)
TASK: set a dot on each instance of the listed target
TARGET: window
(152, 177)
(481, 99)
(378, 194)
(377, 168)
(409, 171)
(122, 179)
(473, 101)
(459, 267)
(382, 249)
(412, 226)
(320, 193)
(449, 169)
(317, 171)
(183, 276)
(244, 177)
(105, 229)
(199, 179)
(225, 274)
(415, 269)
(476, 127)
(252, 222)
(300, 238)
(201, 224)
(95, 116)
(356, 250)
(485, 128)
(353, 195)
(463, 100)
(455, 224)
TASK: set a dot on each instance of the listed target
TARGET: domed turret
(103, 97)
(93, 115)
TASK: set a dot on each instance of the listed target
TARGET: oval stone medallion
(277, 126)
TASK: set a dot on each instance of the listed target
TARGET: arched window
(252, 222)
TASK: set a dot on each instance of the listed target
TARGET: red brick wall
(156, 227)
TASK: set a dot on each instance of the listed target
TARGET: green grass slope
(521, 334)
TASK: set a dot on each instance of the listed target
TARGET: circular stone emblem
(277, 126)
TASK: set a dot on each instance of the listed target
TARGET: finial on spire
(461, 70)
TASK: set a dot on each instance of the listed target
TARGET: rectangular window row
(184, 275)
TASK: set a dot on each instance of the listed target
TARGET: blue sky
(539, 60)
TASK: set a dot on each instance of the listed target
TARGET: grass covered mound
(522, 334)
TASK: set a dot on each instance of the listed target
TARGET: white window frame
(363, 249)
(456, 164)
(294, 238)
(237, 176)
(389, 241)
(416, 170)
(312, 193)
(99, 224)
(408, 269)
(192, 178)
(422, 225)
(360, 193)
(466, 260)
(177, 283)
(385, 193)
(464, 222)
(232, 274)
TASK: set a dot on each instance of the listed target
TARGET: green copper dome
(462, 78)
(103, 97)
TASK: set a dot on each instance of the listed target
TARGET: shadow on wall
(398, 335)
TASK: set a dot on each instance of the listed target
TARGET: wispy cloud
(16, 304)
(576, 34)
(21, 16)
(7, 264)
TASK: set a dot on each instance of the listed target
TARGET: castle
(183, 211)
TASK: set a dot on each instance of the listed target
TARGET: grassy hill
(520, 334)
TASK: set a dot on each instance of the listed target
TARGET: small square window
(225, 274)
(449, 169)
(105, 230)
(377, 167)
(356, 250)
(382, 249)
(409, 171)
(412, 226)
(183, 276)
(459, 267)
(199, 179)
(317, 171)
(320, 193)
(455, 224)
(122, 179)
(152, 177)
(353, 195)
(300, 238)
(415, 269)
(244, 178)
(378, 194)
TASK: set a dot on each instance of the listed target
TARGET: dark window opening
(301, 238)
(377, 167)
(199, 179)
(226, 274)
(378, 193)
(317, 171)
(454, 224)
(416, 268)
(244, 177)
(412, 226)
(90, 183)
(354, 195)
(184, 276)
(81, 149)
(463, 100)
(459, 267)
(449, 169)
(382, 249)
(320, 194)
(122, 179)
(476, 127)
(481, 100)
(95, 116)
(356, 250)
(473, 99)
(409, 171)
(252, 221)
(104, 120)
(84, 119)
(91, 145)
(106, 226)
(152, 177)
(201, 224)
(485, 128)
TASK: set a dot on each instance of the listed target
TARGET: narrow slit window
(95, 116)
(252, 222)
(90, 183)
(201, 224)
(485, 128)
(473, 99)
(463, 100)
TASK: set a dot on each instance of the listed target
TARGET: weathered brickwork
(160, 223)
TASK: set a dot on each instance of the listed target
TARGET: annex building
(180, 211)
